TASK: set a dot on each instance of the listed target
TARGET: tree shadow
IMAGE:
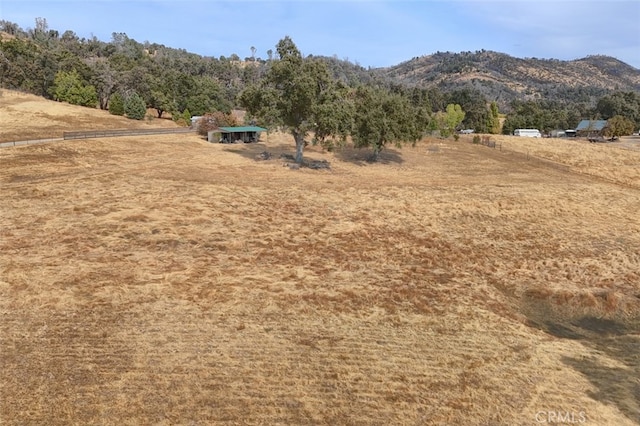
(255, 151)
(281, 152)
(264, 150)
(364, 156)
(615, 385)
(615, 374)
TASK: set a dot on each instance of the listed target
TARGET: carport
(246, 134)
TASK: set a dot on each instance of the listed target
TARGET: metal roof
(242, 129)
(595, 125)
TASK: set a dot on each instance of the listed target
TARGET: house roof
(242, 129)
(595, 125)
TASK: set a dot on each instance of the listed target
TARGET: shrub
(476, 139)
(214, 120)
(135, 107)
(182, 119)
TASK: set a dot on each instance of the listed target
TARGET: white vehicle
(530, 133)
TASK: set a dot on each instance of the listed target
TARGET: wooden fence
(117, 133)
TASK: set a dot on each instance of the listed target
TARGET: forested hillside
(503, 78)
(545, 94)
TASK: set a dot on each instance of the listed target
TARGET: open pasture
(165, 280)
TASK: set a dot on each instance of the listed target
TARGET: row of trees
(329, 97)
(88, 71)
(300, 95)
(548, 115)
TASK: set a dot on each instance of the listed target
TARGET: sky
(372, 33)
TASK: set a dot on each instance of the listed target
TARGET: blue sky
(372, 33)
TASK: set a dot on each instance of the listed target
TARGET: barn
(591, 128)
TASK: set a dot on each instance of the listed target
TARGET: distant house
(246, 134)
(590, 128)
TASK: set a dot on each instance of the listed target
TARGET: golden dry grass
(165, 280)
(27, 117)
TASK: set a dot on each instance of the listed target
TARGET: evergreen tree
(134, 107)
(116, 104)
(494, 119)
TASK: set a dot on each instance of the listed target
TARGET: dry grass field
(27, 117)
(165, 280)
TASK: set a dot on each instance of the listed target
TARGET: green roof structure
(245, 134)
(242, 129)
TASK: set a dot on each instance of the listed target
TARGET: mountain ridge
(502, 77)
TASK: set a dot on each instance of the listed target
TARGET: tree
(104, 80)
(474, 104)
(618, 126)
(68, 87)
(116, 104)
(41, 32)
(161, 96)
(333, 117)
(382, 117)
(135, 107)
(214, 120)
(290, 94)
(494, 119)
(448, 121)
(625, 104)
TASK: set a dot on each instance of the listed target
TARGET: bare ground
(165, 280)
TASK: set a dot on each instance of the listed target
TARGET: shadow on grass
(286, 152)
(616, 374)
(364, 156)
(615, 385)
(281, 152)
(254, 151)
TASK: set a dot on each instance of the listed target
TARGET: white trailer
(530, 133)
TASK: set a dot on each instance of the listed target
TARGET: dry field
(27, 117)
(164, 280)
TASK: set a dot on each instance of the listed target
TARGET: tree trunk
(299, 146)
(375, 155)
(104, 101)
(377, 148)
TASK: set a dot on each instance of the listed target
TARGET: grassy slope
(166, 280)
(26, 117)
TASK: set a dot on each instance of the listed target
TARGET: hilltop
(502, 77)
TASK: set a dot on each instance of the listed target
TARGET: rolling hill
(502, 78)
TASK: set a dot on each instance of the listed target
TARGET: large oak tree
(291, 94)
(382, 117)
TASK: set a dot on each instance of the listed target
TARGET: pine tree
(134, 107)
(494, 119)
(116, 104)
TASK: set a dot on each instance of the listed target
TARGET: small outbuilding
(246, 134)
